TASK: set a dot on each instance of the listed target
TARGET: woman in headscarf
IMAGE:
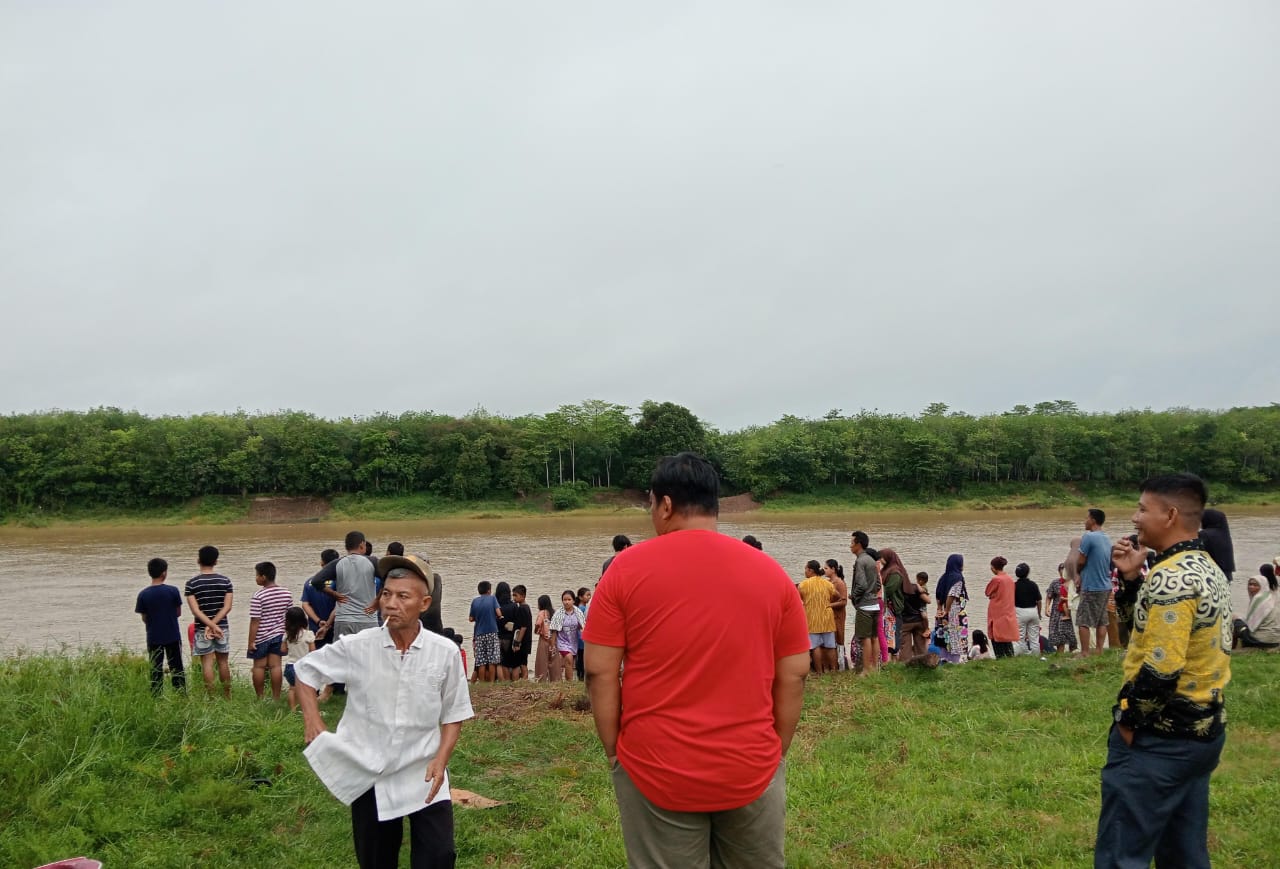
(507, 610)
(893, 576)
(1260, 627)
(953, 602)
(1217, 540)
(902, 592)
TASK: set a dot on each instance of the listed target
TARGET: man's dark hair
(861, 538)
(355, 540)
(1188, 489)
(620, 542)
(484, 587)
(1097, 516)
(751, 540)
(327, 555)
(157, 567)
(395, 548)
(520, 589)
(689, 481)
(265, 569)
(207, 556)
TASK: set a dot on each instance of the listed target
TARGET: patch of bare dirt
(275, 511)
(510, 701)
(738, 504)
(627, 499)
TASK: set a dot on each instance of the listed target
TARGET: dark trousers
(1155, 802)
(1002, 650)
(1242, 636)
(378, 842)
(173, 651)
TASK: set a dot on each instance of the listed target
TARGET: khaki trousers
(750, 837)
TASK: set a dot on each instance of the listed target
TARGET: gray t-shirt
(354, 578)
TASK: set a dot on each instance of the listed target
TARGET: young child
(298, 641)
(981, 648)
(484, 615)
(568, 624)
(159, 606)
(266, 628)
(546, 664)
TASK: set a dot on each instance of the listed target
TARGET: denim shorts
(265, 648)
(289, 676)
(204, 645)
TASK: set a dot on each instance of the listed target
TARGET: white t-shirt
(299, 647)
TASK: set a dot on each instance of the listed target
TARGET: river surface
(72, 588)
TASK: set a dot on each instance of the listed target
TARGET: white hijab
(1260, 605)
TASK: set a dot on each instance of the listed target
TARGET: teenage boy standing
(159, 605)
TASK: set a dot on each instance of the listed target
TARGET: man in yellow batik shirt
(1169, 722)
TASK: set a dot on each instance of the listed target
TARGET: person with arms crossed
(407, 700)
(695, 738)
(1169, 724)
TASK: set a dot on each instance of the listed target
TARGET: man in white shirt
(406, 701)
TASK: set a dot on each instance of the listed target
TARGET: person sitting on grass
(981, 647)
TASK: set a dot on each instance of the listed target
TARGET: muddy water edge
(73, 588)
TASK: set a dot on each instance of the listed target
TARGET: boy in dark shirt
(159, 605)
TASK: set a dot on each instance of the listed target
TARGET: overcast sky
(749, 209)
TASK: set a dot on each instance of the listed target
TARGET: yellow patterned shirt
(816, 592)
(1178, 662)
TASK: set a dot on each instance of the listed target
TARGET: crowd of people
(362, 619)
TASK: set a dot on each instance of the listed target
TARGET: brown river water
(71, 588)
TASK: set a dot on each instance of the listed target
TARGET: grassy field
(990, 764)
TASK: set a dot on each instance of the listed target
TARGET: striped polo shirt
(268, 606)
(209, 590)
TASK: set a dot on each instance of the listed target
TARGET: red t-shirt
(702, 618)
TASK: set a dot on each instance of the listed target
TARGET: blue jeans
(1155, 802)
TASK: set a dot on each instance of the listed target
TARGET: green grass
(992, 496)
(208, 510)
(989, 764)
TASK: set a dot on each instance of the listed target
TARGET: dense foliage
(109, 457)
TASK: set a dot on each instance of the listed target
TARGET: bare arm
(312, 723)
(789, 674)
(449, 734)
(603, 664)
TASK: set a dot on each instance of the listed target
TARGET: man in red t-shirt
(716, 649)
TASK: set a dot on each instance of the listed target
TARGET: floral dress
(958, 624)
(1061, 630)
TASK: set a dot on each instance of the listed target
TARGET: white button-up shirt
(390, 729)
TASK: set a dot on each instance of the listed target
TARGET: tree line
(109, 457)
